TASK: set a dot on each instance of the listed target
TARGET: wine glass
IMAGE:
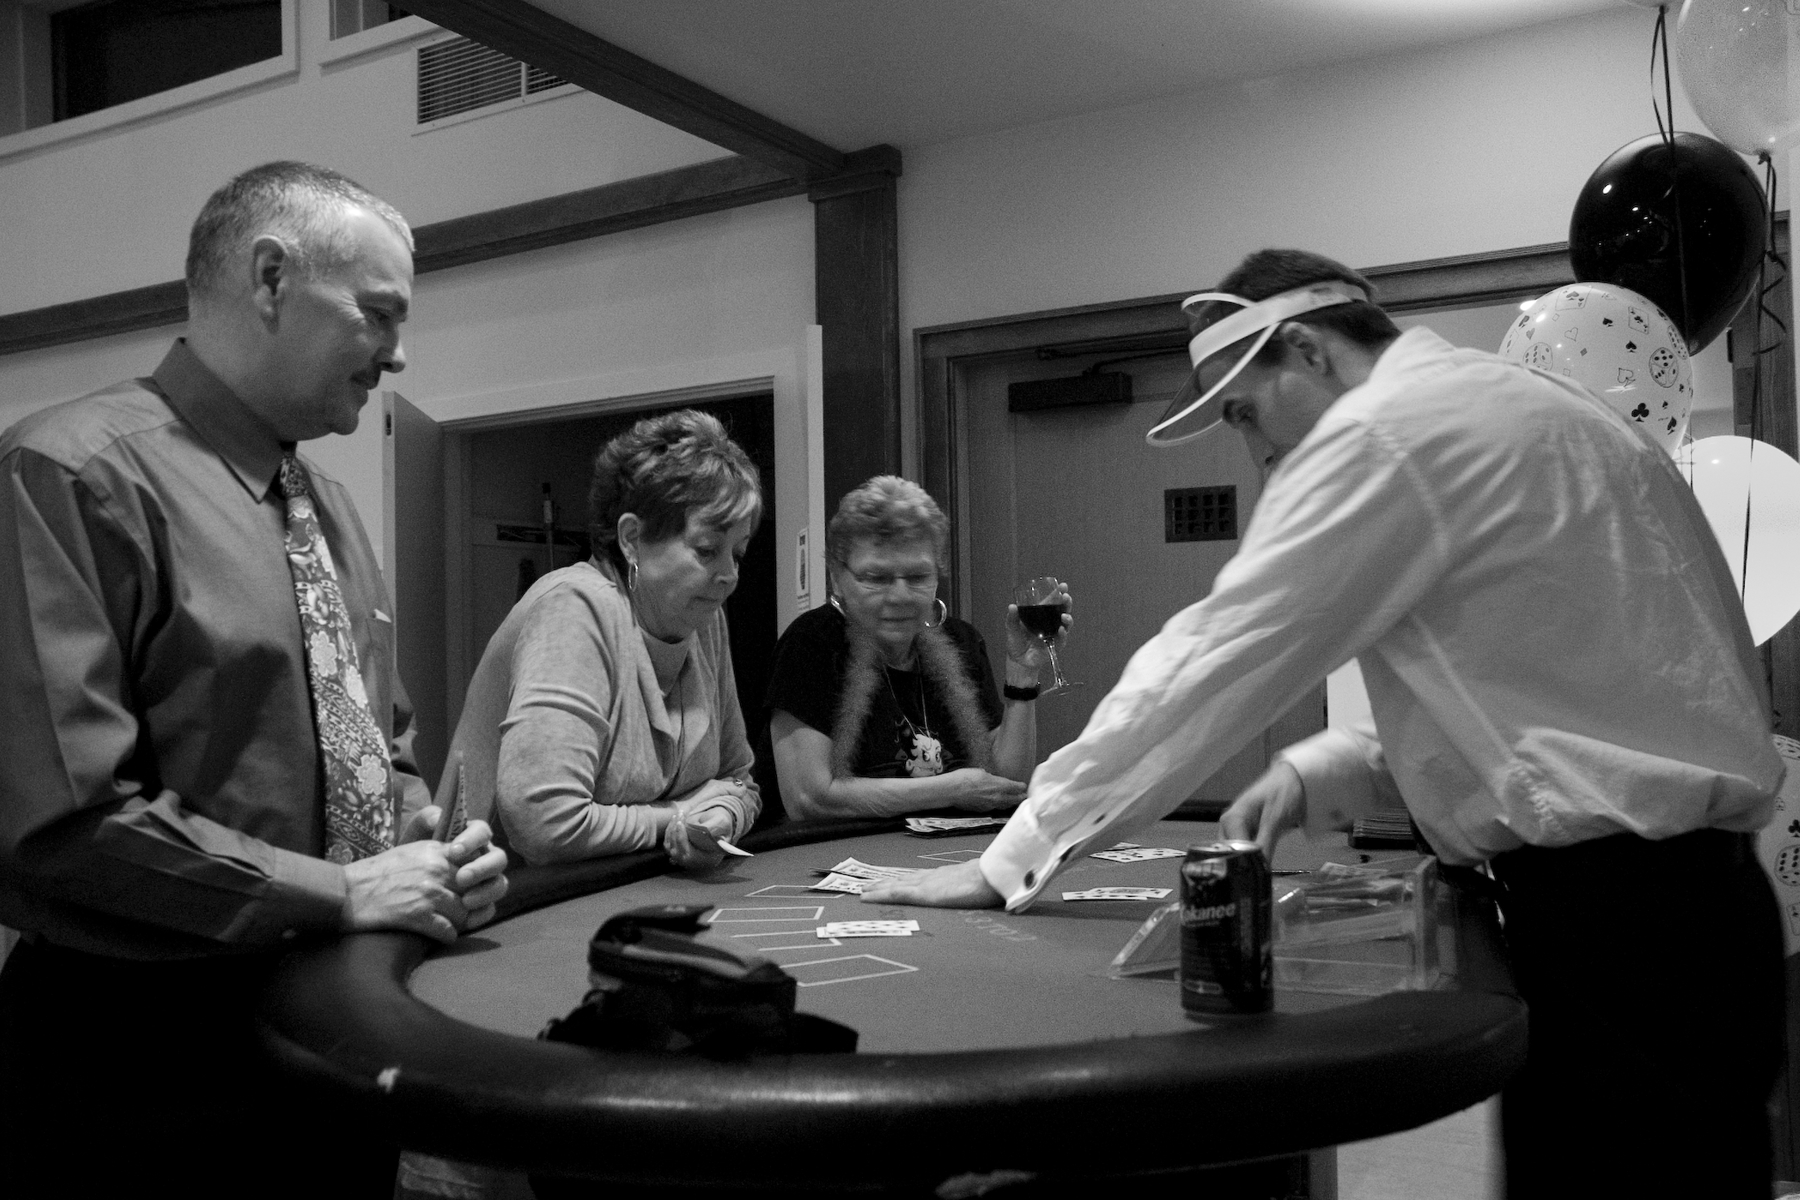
(1041, 607)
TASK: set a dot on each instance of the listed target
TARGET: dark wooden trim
(857, 298)
(102, 316)
(704, 187)
(549, 43)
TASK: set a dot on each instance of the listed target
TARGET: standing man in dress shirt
(1564, 688)
(205, 755)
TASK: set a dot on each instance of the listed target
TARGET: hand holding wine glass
(1037, 623)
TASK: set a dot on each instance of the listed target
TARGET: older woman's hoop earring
(835, 603)
(943, 615)
(631, 575)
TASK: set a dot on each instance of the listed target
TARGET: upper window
(107, 53)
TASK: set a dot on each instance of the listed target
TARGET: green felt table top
(967, 980)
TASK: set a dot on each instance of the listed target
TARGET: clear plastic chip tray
(1356, 930)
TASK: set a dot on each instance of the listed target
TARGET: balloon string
(1660, 40)
(1764, 285)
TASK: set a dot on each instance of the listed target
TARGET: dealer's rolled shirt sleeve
(1327, 565)
(1345, 776)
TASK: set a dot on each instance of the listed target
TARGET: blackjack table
(995, 1055)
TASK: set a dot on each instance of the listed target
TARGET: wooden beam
(629, 204)
(705, 187)
(551, 44)
(856, 264)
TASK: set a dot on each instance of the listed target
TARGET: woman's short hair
(667, 469)
(887, 508)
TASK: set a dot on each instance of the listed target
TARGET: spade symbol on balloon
(1684, 225)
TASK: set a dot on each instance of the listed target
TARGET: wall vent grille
(1203, 514)
(462, 75)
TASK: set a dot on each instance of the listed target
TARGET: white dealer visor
(1189, 415)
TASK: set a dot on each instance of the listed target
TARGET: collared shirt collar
(212, 410)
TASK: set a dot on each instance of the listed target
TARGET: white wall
(1472, 147)
(112, 210)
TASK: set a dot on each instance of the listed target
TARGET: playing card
(850, 929)
(862, 870)
(950, 826)
(706, 839)
(1138, 854)
(1118, 893)
(841, 883)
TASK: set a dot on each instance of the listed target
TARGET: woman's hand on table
(959, 885)
(982, 791)
(697, 849)
(1025, 647)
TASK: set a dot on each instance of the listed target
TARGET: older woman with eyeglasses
(881, 703)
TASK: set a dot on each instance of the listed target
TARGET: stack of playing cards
(1118, 893)
(950, 826)
(856, 929)
(852, 876)
(1137, 854)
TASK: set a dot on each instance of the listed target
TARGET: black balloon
(1624, 230)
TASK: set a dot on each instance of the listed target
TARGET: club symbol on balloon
(1640, 412)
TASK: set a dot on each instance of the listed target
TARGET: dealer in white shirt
(1563, 684)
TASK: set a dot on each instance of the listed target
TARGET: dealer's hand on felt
(960, 885)
(981, 791)
(429, 887)
(1268, 808)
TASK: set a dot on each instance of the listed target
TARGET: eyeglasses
(924, 582)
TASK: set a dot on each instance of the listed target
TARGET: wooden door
(1077, 493)
(412, 478)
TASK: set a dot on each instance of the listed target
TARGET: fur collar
(943, 667)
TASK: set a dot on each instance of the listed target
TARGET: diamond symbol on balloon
(1626, 375)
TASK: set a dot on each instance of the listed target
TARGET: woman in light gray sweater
(604, 714)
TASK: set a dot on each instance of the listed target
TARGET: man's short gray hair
(302, 204)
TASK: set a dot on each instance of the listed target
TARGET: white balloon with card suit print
(1750, 485)
(1616, 344)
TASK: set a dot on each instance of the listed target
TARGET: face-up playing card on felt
(1118, 893)
(841, 883)
(850, 929)
(1139, 854)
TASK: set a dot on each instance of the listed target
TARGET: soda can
(1227, 961)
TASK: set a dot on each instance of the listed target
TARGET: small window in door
(1202, 514)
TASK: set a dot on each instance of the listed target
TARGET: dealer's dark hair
(1270, 272)
(302, 204)
(667, 469)
(887, 509)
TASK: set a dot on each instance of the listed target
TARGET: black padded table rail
(1047, 1100)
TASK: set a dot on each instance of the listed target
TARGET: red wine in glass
(1042, 604)
(1045, 620)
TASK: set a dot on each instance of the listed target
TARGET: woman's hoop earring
(943, 615)
(833, 601)
(631, 575)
